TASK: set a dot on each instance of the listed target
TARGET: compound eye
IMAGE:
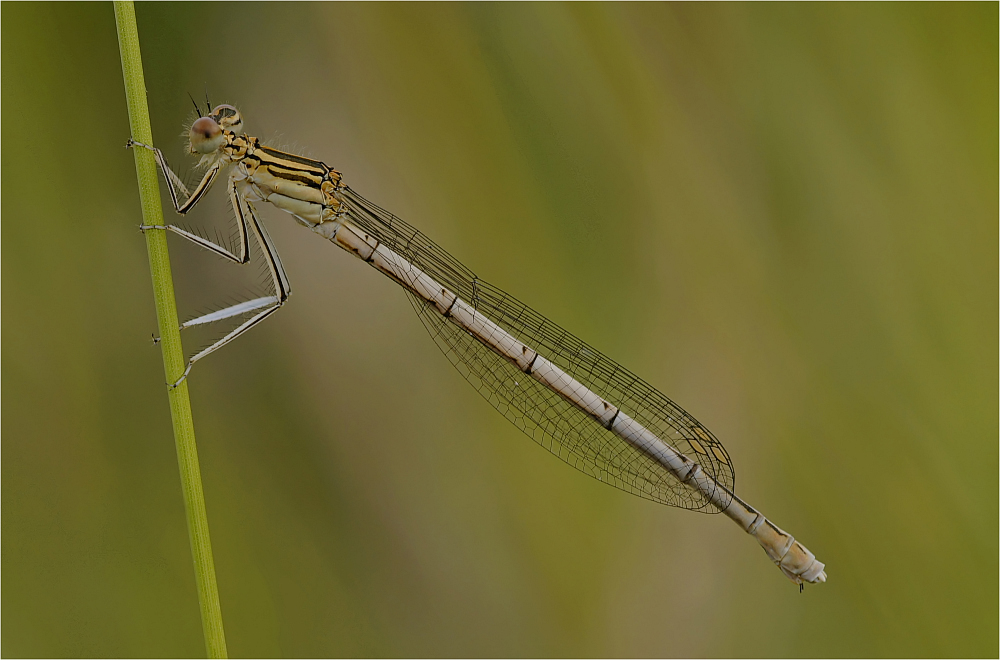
(224, 110)
(228, 117)
(205, 135)
(206, 128)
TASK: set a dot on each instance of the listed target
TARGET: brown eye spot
(205, 136)
(205, 127)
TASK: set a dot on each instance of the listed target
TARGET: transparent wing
(545, 416)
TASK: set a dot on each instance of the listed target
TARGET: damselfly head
(206, 134)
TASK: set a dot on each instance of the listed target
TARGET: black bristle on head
(196, 108)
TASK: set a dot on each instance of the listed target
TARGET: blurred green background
(783, 216)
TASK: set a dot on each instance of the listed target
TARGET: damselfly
(574, 401)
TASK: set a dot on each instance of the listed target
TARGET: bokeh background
(783, 216)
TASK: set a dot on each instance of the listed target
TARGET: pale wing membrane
(541, 413)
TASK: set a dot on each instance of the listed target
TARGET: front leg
(174, 183)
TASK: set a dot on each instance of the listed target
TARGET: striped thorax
(304, 188)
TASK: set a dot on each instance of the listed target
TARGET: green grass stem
(170, 338)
